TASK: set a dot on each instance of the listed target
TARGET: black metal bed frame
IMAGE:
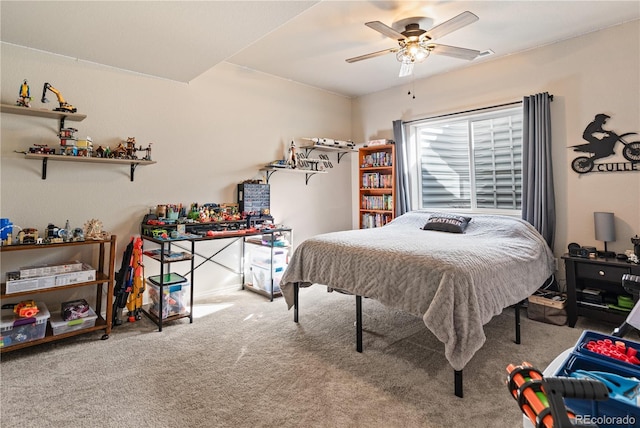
(457, 374)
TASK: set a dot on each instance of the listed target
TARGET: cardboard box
(550, 298)
(60, 326)
(85, 275)
(50, 269)
(15, 330)
(50, 281)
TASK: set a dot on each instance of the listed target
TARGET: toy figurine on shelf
(24, 95)
(147, 155)
(93, 230)
(291, 157)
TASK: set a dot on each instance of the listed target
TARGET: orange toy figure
(134, 303)
(26, 309)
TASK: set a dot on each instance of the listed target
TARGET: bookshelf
(377, 185)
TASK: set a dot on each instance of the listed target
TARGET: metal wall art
(603, 143)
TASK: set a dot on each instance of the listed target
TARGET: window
(471, 162)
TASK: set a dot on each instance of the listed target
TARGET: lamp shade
(605, 226)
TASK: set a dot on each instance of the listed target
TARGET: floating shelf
(40, 112)
(341, 151)
(269, 170)
(45, 157)
(62, 116)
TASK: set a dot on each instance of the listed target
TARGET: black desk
(165, 249)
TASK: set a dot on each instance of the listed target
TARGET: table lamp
(605, 231)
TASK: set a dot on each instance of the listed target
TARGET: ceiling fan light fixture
(413, 52)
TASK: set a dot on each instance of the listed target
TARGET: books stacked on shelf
(377, 202)
(377, 159)
(375, 180)
(370, 220)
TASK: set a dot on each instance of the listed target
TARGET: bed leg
(296, 288)
(457, 383)
(518, 322)
(359, 323)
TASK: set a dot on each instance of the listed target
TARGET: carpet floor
(243, 362)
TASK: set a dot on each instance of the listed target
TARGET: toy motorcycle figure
(602, 148)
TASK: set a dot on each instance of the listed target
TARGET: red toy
(26, 309)
(617, 350)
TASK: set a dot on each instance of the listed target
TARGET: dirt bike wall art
(601, 144)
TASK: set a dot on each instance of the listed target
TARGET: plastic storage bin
(60, 326)
(175, 298)
(261, 255)
(612, 412)
(262, 280)
(16, 330)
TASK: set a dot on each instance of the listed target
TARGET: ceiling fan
(415, 44)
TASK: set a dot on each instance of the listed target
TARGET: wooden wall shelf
(269, 170)
(62, 116)
(40, 112)
(43, 157)
(341, 151)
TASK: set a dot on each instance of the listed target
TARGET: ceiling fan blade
(462, 53)
(385, 30)
(406, 69)
(455, 23)
(372, 55)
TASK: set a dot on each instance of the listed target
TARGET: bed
(456, 282)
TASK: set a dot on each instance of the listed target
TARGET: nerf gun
(122, 287)
(542, 399)
(26, 309)
(134, 303)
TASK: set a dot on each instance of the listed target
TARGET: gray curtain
(403, 199)
(538, 199)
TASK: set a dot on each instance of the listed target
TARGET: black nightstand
(600, 275)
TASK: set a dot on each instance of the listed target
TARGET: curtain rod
(470, 111)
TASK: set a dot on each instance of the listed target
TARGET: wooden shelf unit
(133, 163)
(377, 185)
(104, 274)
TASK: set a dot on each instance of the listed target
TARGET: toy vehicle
(64, 106)
(42, 149)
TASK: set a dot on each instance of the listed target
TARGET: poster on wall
(603, 143)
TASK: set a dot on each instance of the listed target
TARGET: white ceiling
(302, 41)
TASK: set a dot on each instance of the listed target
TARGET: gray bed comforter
(455, 282)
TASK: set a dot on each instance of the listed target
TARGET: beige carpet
(245, 363)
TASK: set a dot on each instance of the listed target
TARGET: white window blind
(470, 162)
